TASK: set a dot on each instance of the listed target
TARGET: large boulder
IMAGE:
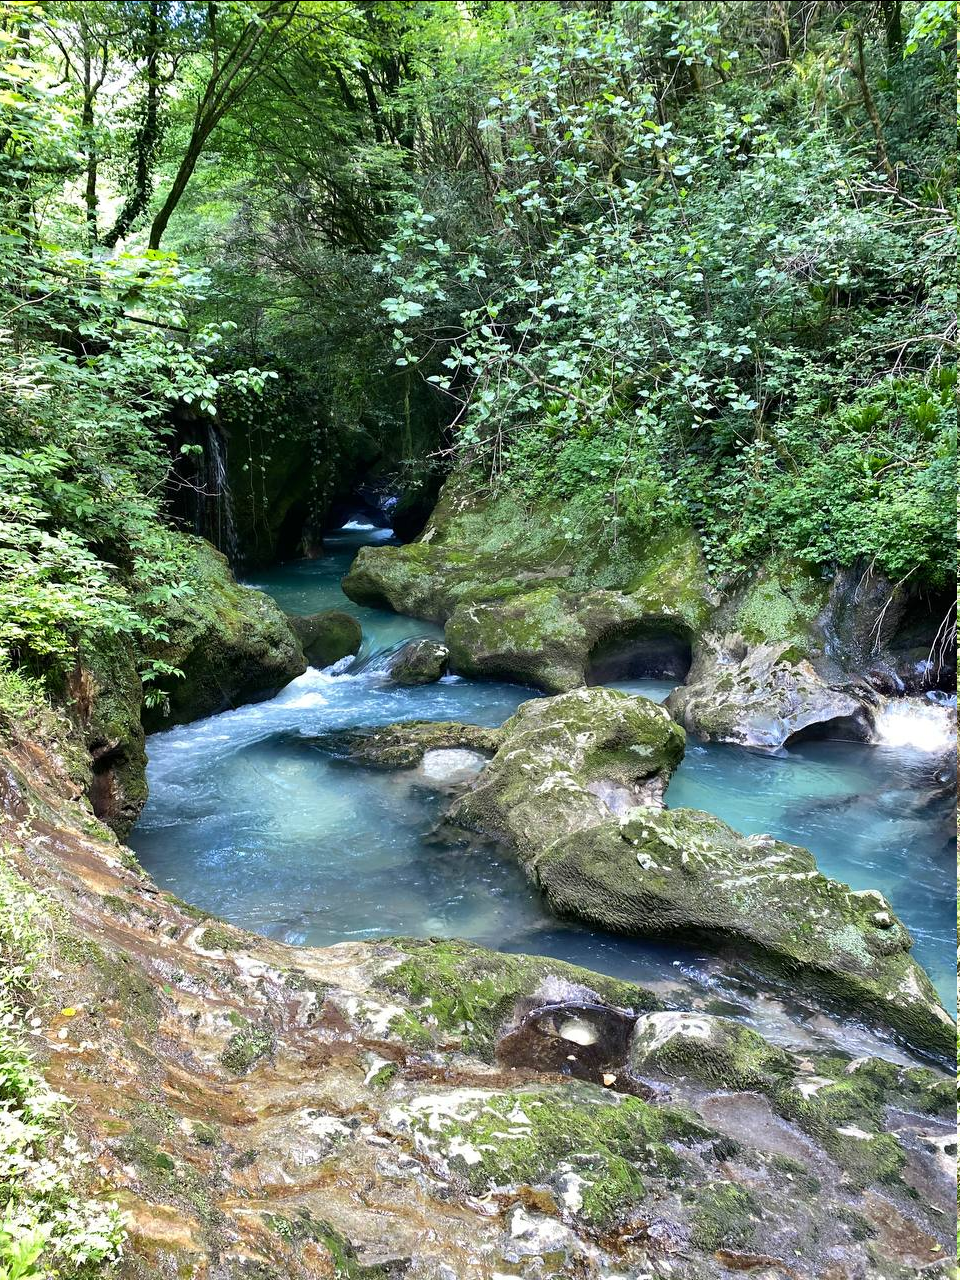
(686, 873)
(556, 640)
(767, 670)
(535, 596)
(767, 695)
(233, 644)
(570, 762)
(328, 636)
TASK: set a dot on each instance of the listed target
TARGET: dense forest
(619, 284)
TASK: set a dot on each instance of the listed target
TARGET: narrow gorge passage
(246, 819)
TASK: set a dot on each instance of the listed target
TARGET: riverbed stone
(686, 873)
(404, 744)
(327, 636)
(422, 661)
(767, 671)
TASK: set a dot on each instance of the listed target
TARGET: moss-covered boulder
(326, 637)
(232, 643)
(767, 673)
(570, 762)
(530, 595)
(422, 661)
(686, 873)
(404, 744)
(556, 640)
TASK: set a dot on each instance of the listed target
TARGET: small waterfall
(925, 724)
(222, 529)
(380, 661)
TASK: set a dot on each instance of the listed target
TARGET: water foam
(918, 723)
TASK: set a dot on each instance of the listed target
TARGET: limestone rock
(687, 873)
(570, 762)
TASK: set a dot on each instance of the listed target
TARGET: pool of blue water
(247, 820)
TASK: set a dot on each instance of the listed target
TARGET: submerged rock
(421, 661)
(327, 636)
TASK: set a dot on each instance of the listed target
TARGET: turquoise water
(249, 821)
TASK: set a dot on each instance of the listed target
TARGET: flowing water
(248, 820)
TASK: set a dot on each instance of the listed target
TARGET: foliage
(46, 1225)
(95, 353)
(705, 299)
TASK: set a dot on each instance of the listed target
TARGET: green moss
(471, 992)
(723, 1216)
(216, 938)
(731, 1056)
(781, 607)
(246, 1047)
(520, 1138)
(302, 1226)
(232, 644)
(167, 1178)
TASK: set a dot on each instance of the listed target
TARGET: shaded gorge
(248, 820)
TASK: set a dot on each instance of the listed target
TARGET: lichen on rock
(687, 873)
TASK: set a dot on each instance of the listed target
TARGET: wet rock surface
(326, 637)
(420, 662)
(400, 1108)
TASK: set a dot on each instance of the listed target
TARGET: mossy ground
(466, 991)
(524, 1137)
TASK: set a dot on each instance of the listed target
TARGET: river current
(249, 821)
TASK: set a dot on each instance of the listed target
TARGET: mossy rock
(687, 873)
(422, 661)
(763, 675)
(404, 744)
(456, 988)
(713, 1051)
(503, 1141)
(328, 636)
(487, 546)
(569, 762)
(232, 643)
